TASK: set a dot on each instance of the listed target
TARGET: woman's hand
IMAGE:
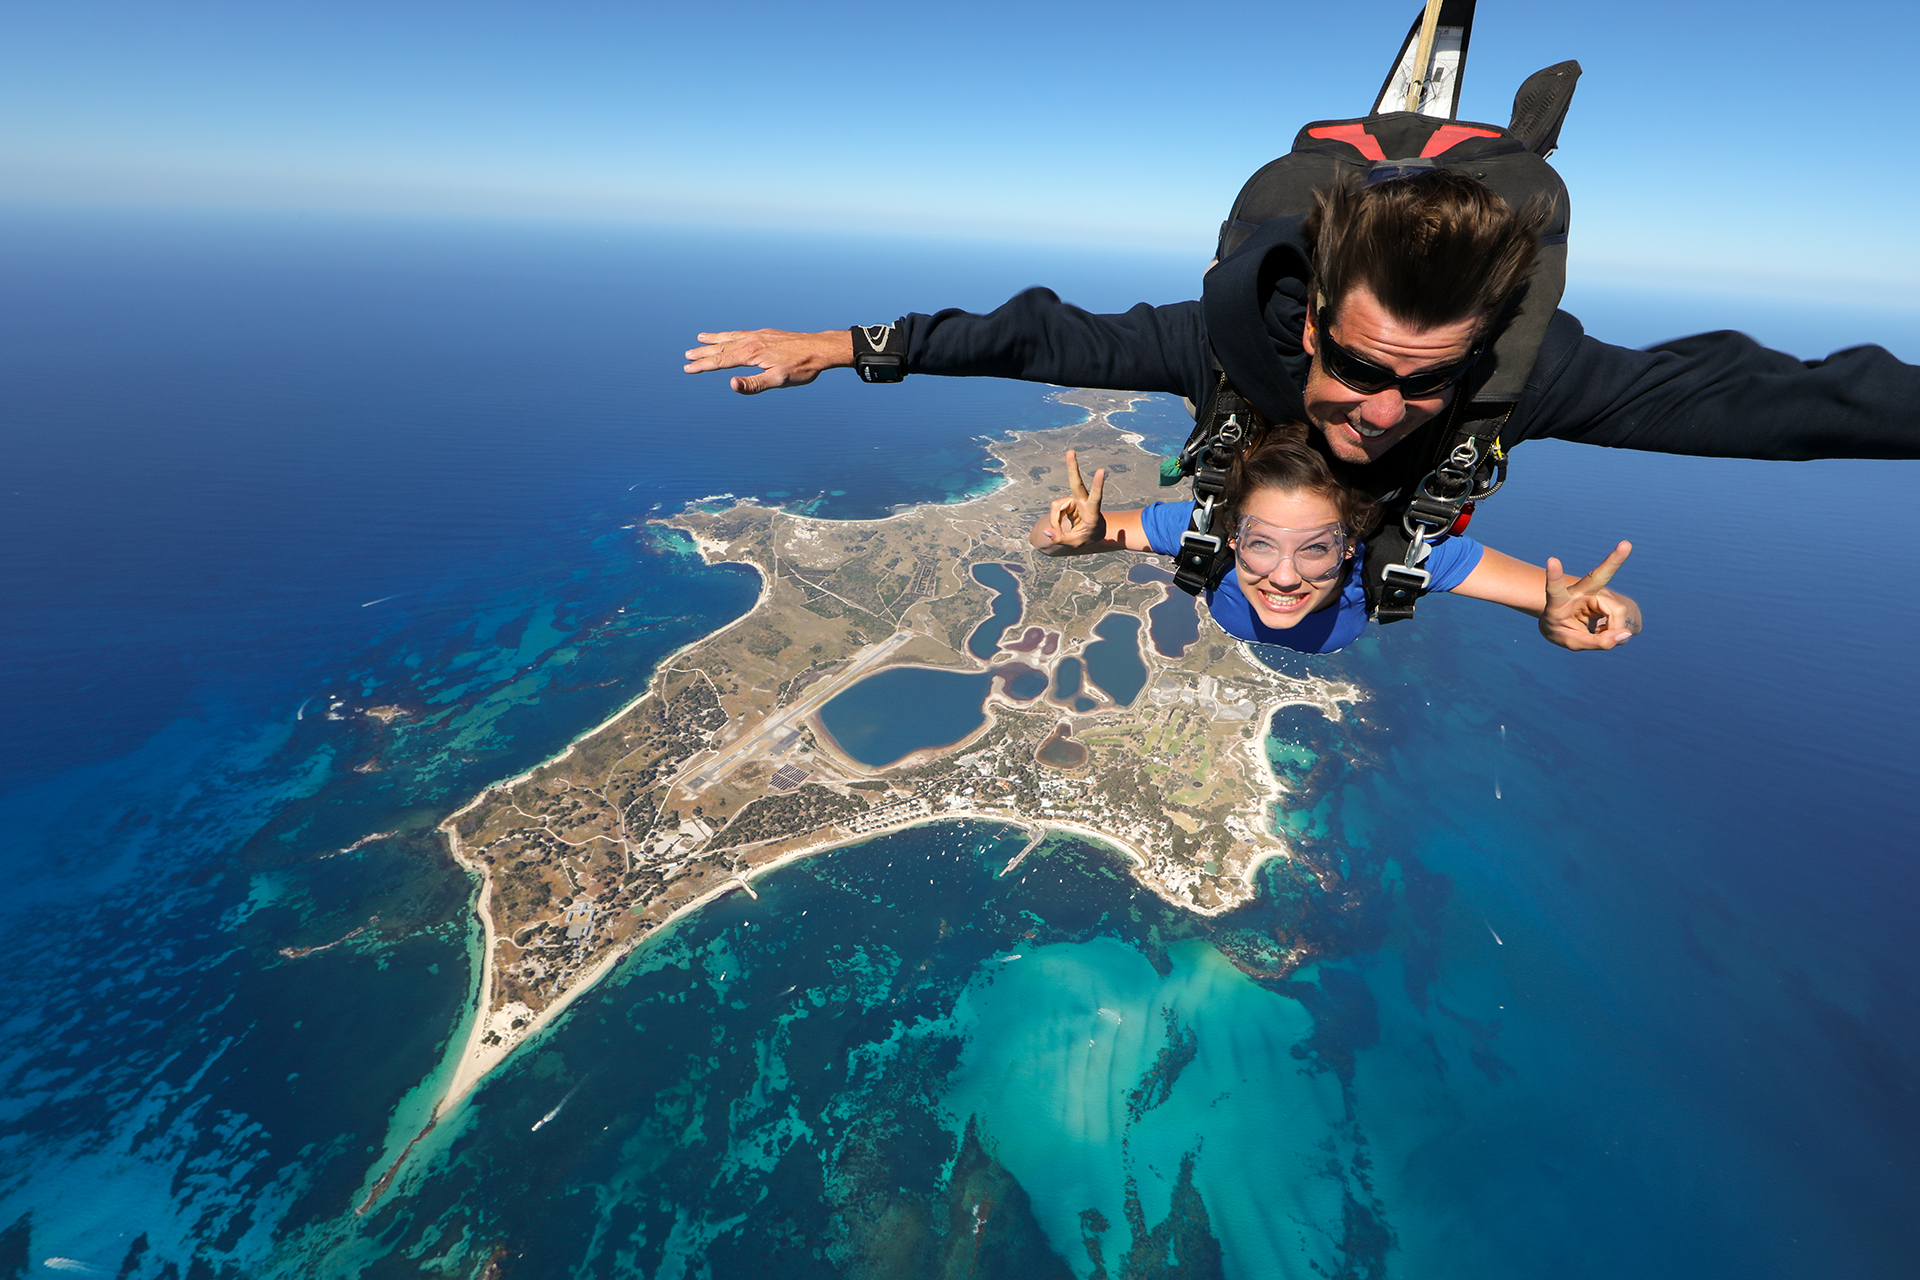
(1074, 524)
(1582, 613)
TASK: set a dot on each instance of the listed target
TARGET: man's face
(1360, 427)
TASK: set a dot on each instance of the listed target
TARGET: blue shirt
(1331, 627)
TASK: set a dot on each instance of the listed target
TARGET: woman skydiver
(1297, 555)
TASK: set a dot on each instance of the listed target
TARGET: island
(763, 742)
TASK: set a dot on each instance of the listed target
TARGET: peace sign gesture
(1582, 613)
(1074, 523)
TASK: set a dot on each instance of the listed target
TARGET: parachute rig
(1443, 472)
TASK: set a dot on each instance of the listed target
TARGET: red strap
(1445, 136)
(1354, 136)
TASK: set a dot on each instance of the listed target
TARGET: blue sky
(1772, 156)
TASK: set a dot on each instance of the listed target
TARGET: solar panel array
(787, 777)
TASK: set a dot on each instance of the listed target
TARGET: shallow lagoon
(1174, 623)
(1113, 660)
(896, 712)
(1007, 607)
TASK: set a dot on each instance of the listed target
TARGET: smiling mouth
(1283, 602)
(1368, 433)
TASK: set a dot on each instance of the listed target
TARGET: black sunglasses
(1368, 378)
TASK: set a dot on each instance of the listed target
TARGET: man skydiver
(1363, 319)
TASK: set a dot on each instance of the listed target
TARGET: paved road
(756, 742)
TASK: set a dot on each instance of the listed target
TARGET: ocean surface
(1611, 959)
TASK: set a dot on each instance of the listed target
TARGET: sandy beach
(490, 1036)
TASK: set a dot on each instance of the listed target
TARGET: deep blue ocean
(1615, 969)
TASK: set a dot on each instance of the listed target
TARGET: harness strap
(1470, 466)
(1218, 434)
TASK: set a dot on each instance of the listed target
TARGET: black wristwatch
(879, 352)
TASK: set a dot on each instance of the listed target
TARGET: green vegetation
(772, 817)
(766, 642)
(682, 795)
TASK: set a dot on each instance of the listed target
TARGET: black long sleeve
(1713, 395)
(1036, 337)
(1719, 395)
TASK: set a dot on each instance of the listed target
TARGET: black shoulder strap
(1218, 434)
(1470, 465)
(1261, 252)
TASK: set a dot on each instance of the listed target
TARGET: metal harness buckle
(1198, 549)
(1410, 577)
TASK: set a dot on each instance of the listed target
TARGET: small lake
(1068, 685)
(1114, 662)
(1007, 608)
(1035, 640)
(1061, 751)
(896, 712)
(1066, 679)
(1174, 623)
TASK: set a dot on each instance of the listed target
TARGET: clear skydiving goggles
(1318, 555)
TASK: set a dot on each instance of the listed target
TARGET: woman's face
(1290, 554)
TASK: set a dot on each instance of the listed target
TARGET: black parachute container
(1444, 467)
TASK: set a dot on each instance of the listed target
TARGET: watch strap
(879, 352)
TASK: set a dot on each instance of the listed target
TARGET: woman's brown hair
(1280, 457)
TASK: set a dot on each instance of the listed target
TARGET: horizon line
(1606, 274)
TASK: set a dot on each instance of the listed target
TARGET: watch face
(879, 368)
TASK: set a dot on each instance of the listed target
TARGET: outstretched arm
(1075, 525)
(1719, 395)
(1033, 336)
(1574, 613)
(789, 359)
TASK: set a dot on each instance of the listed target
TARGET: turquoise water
(1092, 1073)
(1604, 963)
(890, 1046)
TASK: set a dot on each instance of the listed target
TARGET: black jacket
(1714, 395)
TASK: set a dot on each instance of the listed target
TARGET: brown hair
(1435, 249)
(1280, 457)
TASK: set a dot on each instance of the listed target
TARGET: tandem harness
(1464, 461)
(1474, 467)
(1471, 465)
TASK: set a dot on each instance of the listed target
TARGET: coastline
(478, 1060)
(490, 1037)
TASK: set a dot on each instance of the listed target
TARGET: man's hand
(790, 359)
(1582, 613)
(1074, 524)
